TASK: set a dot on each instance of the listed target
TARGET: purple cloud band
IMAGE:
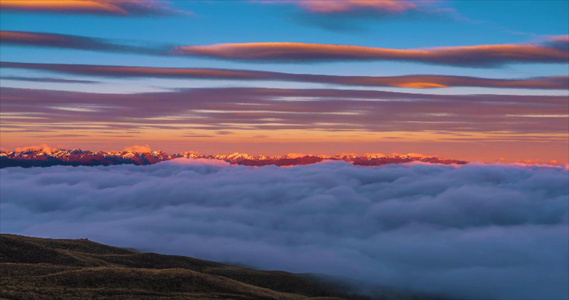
(226, 109)
(76, 42)
(473, 56)
(411, 81)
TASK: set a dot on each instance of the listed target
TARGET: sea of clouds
(476, 231)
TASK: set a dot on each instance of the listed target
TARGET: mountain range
(78, 157)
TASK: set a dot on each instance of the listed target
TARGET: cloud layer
(552, 50)
(473, 56)
(410, 81)
(226, 109)
(478, 231)
(46, 79)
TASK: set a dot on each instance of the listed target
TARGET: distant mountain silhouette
(77, 157)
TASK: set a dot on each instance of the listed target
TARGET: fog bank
(476, 231)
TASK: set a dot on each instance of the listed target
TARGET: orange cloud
(483, 55)
(421, 85)
(106, 7)
(43, 147)
(411, 81)
(138, 149)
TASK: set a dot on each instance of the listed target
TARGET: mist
(471, 232)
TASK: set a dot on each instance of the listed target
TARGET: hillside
(36, 268)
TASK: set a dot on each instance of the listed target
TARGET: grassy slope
(35, 268)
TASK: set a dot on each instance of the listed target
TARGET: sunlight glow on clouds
(480, 55)
(100, 74)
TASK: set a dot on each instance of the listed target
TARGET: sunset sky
(473, 80)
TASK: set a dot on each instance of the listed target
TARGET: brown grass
(35, 268)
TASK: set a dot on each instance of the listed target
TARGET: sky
(475, 80)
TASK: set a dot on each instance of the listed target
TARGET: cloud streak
(75, 42)
(90, 7)
(326, 7)
(472, 232)
(322, 12)
(472, 56)
(410, 81)
(342, 15)
(45, 79)
(229, 109)
(552, 50)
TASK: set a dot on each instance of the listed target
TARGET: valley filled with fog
(477, 231)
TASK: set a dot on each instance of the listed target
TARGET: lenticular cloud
(476, 231)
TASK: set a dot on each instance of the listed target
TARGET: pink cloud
(347, 7)
(339, 6)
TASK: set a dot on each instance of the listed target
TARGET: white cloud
(477, 231)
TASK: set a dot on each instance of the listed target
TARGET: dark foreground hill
(36, 268)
